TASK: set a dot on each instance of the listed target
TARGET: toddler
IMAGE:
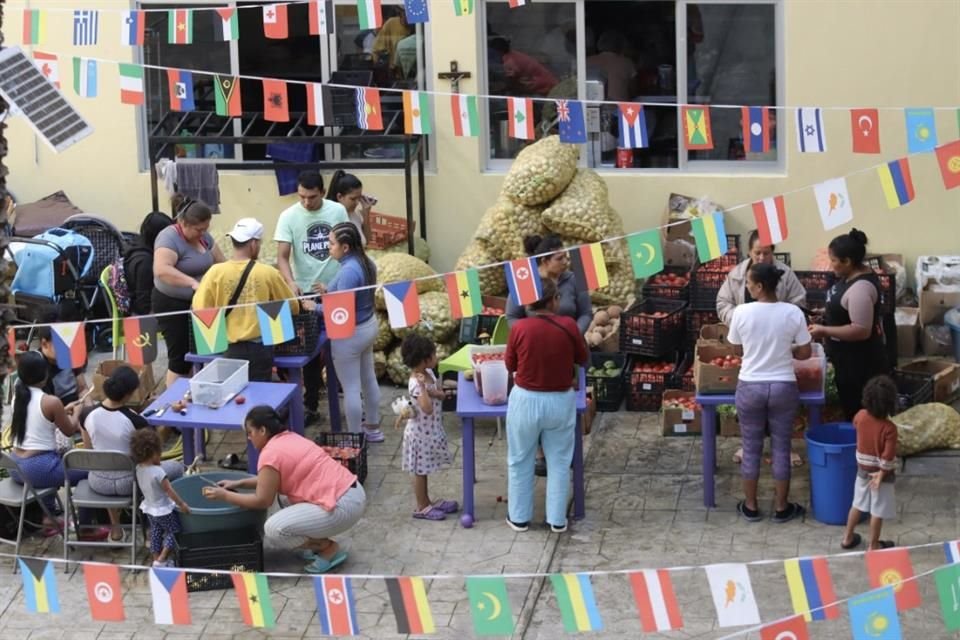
(159, 497)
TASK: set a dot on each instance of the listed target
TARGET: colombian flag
(39, 586)
(276, 322)
(335, 606)
(410, 606)
(811, 588)
(140, 338)
(209, 331)
(463, 290)
(70, 344)
(896, 183)
(710, 235)
(403, 305)
(578, 608)
(588, 267)
(523, 280)
(253, 593)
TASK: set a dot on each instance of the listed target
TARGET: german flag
(410, 606)
(140, 338)
(588, 267)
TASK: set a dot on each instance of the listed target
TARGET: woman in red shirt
(541, 354)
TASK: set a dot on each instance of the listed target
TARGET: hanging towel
(200, 181)
(167, 171)
(290, 152)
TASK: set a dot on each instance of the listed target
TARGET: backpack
(118, 284)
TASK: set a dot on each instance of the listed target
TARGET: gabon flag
(339, 314)
(403, 305)
(140, 338)
(463, 291)
(589, 269)
(889, 568)
(104, 592)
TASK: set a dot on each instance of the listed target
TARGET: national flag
(517, 3)
(275, 25)
(466, 115)
(890, 568)
(229, 28)
(520, 114)
(873, 615)
(171, 604)
(463, 7)
(490, 606)
(226, 93)
(578, 607)
(588, 266)
(921, 130)
(771, 218)
(339, 314)
(276, 108)
(276, 322)
(952, 551)
(865, 130)
(794, 628)
(69, 344)
(317, 105)
(523, 280)
(948, 588)
(633, 126)
(416, 11)
(408, 597)
(896, 182)
(86, 27)
(11, 341)
(131, 84)
(656, 600)
(416, 112)
(811, 588)
(180, 26)
(756, 129)
(209, 331)
(336, 609)
(34, 26)
(463, 291)
(573, 124)
(811, 137)
(49, 66)
(39, 584)
(140, 338)
(948, 157)
(368, 108)
(85, 77)
(646, 253)
(180, 85)
(132, 28)
(104, 592)
(732, 595)
(710, 235)
(403, 305)
(833, 201)
(369, 14)
(321, 17)
(696, 128)
(253, 594)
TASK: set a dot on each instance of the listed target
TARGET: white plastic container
(219, 381)
(476, 350)
(495, 382)
(811, 373)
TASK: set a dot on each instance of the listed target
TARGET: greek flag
(86, 24)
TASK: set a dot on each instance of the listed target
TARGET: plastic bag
(926, 427)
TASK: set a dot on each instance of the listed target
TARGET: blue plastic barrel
(832, 451)
(208, 515)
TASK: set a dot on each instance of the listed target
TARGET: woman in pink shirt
(319, 496)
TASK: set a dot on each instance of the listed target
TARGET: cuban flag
(523, 280)
(403, 306)
(756, 129)
(952, 551)
(633, 126)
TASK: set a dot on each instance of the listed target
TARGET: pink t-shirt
(307, 473)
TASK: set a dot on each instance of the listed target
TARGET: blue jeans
(548, 418)
(45, 471)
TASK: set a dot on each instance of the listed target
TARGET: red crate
(661, 286)
(386, 231)
(652, 327)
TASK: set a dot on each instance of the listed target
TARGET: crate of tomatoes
(697, 319)
(652, 328)
(672, 283)
(682, 378)
(716, 369)
(349, 449)
(647, 380)
(679, 413)
(816, 284)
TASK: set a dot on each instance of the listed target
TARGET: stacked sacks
(399, 373)
(397, 267)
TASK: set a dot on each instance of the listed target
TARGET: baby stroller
(108, 245)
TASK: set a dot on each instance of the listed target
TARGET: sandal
(322, 565)
(233, 462)
(885, 544)
(430, 513)
(854, 542)
(792, 512)
(796, 460)
(750, 515)
(447, 506)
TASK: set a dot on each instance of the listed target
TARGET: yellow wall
(850, 53)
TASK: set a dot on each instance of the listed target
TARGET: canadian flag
(49, 66)
(771, 218)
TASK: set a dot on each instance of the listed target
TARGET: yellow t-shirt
(264, 284)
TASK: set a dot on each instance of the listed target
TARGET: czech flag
(403, 305)
(523, 280)
(171, 605)
(756, 129)
(70, 344)
(896, 182)
(180, 84)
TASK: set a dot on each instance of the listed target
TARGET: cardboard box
(935, 301)
(714, 333)
(145, 373)
(937, 340)
(682, 209)
(676, 421)
(908, 330)
(945, 375)
(710, 378)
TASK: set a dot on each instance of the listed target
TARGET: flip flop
(430, 513)
(854, 543)
(307, 555)
(447, 506)
(322, 565)
(792, 512)
(887, 544)
(796, 460)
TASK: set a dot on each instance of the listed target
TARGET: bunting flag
(131, 84)
(228, 29)
(416, 11)
(523, 281)
(463, 7)
(921, 130)
(140, 339)
(948, 589)
(633, 126)
(321, 17)
(209, 331)
(466, 115)
(865, 129)
(646, 253)
(517, 3)
(710, 235)
(11, 341)
(811, 137)
(335, 606)
(833, 201)
(368, 108)
(520, 123)
(276, 108)
(952, 551)
(573, 124)
(794, 628)
(180, 86)
(490, 606)
(770, 216)
(656, 600)
(811, 588)
(873, 615)
(889, 568)
(696, 128)
(416, 112)
(369, 14)
(463, 291)
(578, 607)
(132, 28)
(896, 183)
(408, 597)
(39, 584)
(732, 595)
(403, 305)
(49, 66)
(756, 129)
(275, 25)
(34, 27)
(253, 594)
(226, 93)
(316, 105)
(948, 158)
(171, 604)
(180, 26)
(588, 266)
(86, 27)
(69, 344)
(104, 592)
(276, 322)
(85, 77)
(339, 314)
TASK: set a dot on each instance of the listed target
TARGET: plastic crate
(307, 332)
(644, 401)
(682, 378)
(386, 231)
(347, 440)
(653, 289)
(471, 328)
(607, 391)
(704, 287)
(696, 318)
(647, 381)
(227, 549)
(912, 389)
(642, 334)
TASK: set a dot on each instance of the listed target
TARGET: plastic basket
(644, 401)
(643, 334)
(607, 391)
(386, 231)
(659, 287)
(682, 378)
(347, 440)
(912, 389)
(646, 382)
(228, 549)
(307, 330)
(696, 319)
(704, 287)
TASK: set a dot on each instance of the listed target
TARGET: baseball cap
(246, 229)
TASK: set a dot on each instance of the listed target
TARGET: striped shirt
(876, 443)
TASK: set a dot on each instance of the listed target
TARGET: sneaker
(519, 527)
(540, 467)
(163, 564)
(555, 529)
(375, 435)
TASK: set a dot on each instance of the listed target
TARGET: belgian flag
(140, 338)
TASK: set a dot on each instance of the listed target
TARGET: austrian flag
(771, 219)
(403, 306)
(656, 600)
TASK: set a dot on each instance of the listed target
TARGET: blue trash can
(832, 450)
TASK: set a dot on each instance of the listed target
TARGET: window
(653, 52)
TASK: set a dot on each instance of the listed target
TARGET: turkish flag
(275, 24)
(340, 314)
(889, 568)
(275, 105)
(865, 129)
(104, 592)
(790, 629)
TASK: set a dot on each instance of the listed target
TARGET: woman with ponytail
(347, 189)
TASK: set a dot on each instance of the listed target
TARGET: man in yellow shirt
(225, 283)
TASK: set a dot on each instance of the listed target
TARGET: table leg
(187, 440)
(295, 376)
(333, 389)
(253, 457)
(579, 490)
(469, 473)
(709, 424)
(813, 413)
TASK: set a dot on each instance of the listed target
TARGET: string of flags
(874, 614)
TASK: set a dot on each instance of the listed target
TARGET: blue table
(230, 416)
(471, 406)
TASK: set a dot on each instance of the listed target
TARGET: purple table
(229, 416)
(471, 406)
(708, 424)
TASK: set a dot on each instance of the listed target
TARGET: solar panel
(39, 101)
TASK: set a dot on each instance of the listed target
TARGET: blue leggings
(163, 530)
(45, 471)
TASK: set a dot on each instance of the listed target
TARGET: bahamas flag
(70, 344)
(253, 594)
(463, 291)
(578, 608)
(276, 322)
(140, 338)
(811, 588)
(209, 331)
(710, 235)
(39, 586)
(896, 182)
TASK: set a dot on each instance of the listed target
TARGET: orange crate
(386, 231)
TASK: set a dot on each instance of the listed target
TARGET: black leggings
(176, 330)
